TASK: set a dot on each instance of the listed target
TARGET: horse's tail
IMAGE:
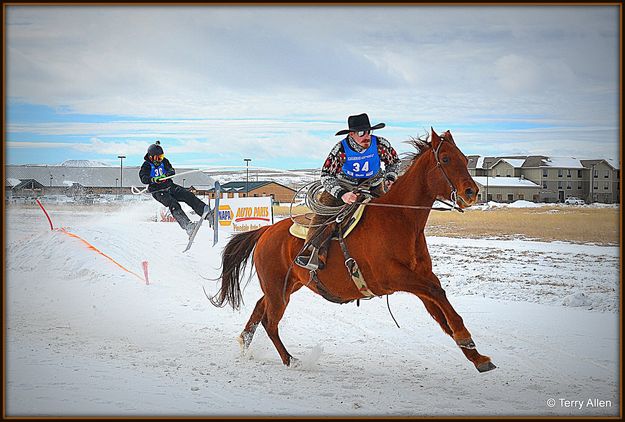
(233, 260)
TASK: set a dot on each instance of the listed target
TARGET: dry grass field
(570, 224)
(550, 223)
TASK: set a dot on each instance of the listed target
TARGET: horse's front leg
(428, 289)
(481, 362)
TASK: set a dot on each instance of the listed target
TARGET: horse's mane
(421, 144)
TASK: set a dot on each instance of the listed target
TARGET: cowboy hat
(359, 122)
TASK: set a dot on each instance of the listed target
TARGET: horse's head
(450, 178)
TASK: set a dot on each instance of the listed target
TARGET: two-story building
(555, 178)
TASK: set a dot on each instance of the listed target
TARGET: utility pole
(487, 173)
(592, 184)
(247, 176)
(121, 173)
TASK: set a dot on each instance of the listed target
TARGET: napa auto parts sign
(245, 214)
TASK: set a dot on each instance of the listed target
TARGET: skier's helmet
(155, 149)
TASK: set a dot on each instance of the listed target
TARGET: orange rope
(93, 248)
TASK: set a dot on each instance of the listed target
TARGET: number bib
(157, 171)
(361, 165)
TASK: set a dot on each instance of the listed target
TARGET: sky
(217, 84)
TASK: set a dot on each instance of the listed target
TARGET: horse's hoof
(466, 343)
(295, 363)
(241, 343)
(486, 366)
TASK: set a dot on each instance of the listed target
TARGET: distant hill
(83, 163)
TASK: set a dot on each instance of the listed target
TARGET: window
(510, 197)
(498, 197)
(579, 174)
(521, 196)
(579, 185)
(560, 184)
(607, 174)
(568, 186)
(595, 185)
(568, 172)
(605, 186)
(596, 174)
(545, 172)
(559, 172)
(544, 185)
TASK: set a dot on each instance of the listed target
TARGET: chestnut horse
(388, 244)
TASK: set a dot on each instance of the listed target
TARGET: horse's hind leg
(274, 310)
(481, 362)
(245, 338)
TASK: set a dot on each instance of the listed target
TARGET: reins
(369, 204)
(317, 208)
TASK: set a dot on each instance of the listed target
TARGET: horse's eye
(445, 160)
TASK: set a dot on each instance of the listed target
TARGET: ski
(216, 213)
(196, 229)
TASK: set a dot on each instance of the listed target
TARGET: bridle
(453, 196)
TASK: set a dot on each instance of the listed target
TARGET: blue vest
(361, 165)
(157, 171)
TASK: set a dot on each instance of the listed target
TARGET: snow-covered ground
(83, 337)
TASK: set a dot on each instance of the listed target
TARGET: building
(557, 178)
(81, 181)
(236, 189)
(506, 189)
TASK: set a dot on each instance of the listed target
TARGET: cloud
(224, 77)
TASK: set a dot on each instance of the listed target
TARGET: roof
(12, 182)
(514, 162)
(533, 161)
(242, 186)
(590, 163)
(512, 182)
(95, 176)
(28, 183)
(563, 162)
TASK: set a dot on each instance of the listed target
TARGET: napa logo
(252, 214)
(225, 215)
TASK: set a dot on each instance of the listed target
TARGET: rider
(353, 160)
(154, 169)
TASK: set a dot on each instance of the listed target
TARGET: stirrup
(309, 262)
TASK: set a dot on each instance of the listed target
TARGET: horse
(389, 246)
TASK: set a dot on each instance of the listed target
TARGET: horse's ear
(448, 136)
(435, 139)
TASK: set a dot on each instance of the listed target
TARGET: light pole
(487, 172)
(183, 182)
(121, 172)
(247, 176)
(592, 184)
(51, 180)
(116, 180)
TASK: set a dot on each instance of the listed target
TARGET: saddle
(299, 229)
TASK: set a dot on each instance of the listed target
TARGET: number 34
(365, 166)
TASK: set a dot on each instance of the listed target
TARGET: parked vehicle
(571, 200)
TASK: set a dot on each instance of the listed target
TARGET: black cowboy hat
(359, 122)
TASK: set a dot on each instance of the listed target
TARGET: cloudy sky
(217, 84)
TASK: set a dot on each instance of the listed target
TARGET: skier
(153, 172)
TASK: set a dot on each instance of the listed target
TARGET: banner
(245, 214)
